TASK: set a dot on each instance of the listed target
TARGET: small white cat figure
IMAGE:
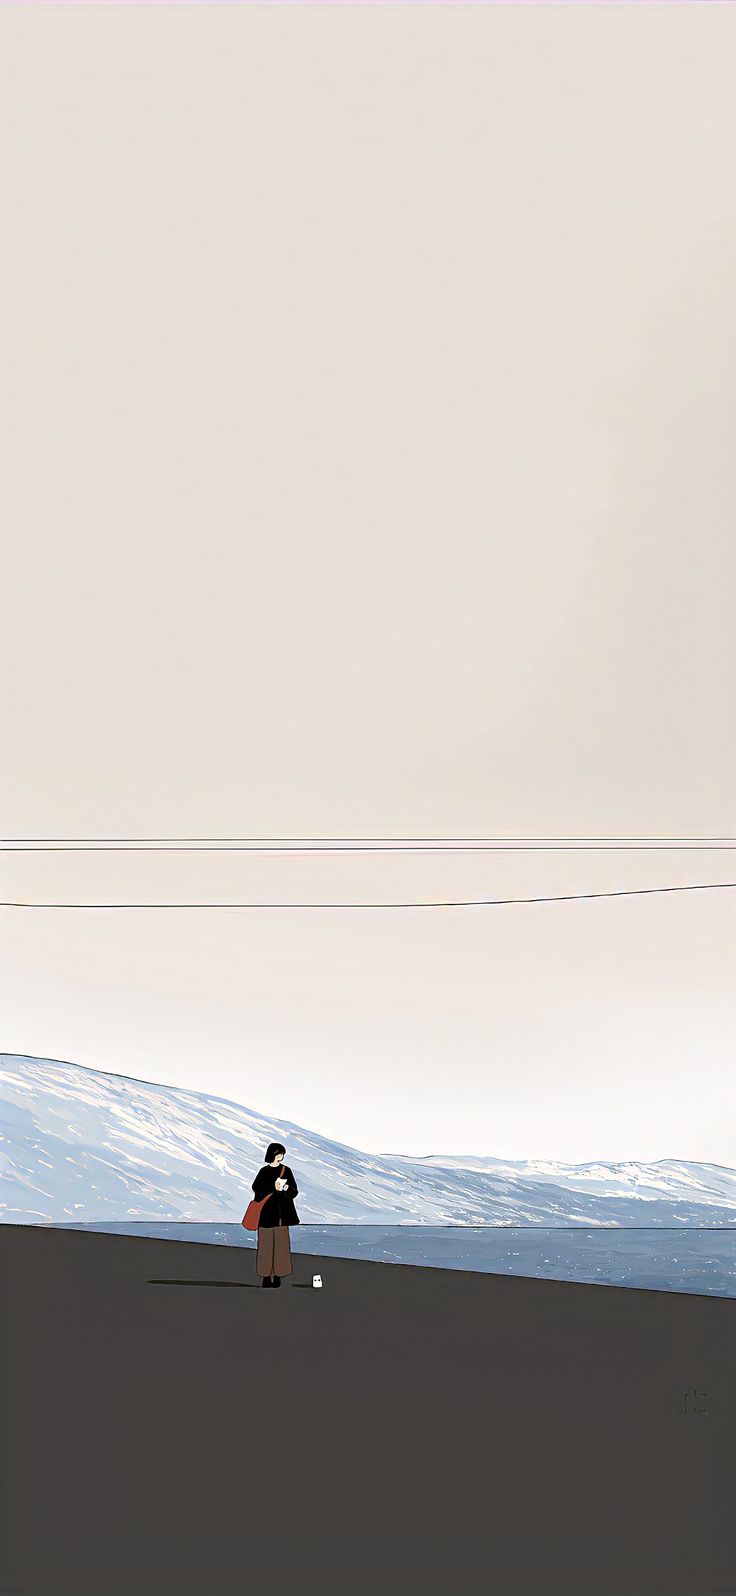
(316, 1280)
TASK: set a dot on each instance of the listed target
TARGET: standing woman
(273, 1258)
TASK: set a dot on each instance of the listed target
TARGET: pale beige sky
(368, 395)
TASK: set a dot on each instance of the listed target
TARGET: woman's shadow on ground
(229, 1285)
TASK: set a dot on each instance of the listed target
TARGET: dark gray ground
(405, 1431)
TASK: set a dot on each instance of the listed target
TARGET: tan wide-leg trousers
(274, 1250)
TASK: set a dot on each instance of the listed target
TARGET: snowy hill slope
(81, 1144)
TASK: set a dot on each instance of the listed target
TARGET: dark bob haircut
(271, 1151)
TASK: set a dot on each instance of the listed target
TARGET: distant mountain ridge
(86, 1145)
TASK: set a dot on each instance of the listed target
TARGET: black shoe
(277, 1280)
(266, 1281)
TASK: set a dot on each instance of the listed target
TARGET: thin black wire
(356, 843)
(413, 849)
(458, 903)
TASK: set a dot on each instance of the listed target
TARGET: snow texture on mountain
(84, 1145)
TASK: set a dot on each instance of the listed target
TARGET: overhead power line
(387, 845)
(450, 903)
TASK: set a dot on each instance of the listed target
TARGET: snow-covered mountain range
(83, 1145)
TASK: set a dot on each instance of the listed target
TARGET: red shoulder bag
(252, 1215)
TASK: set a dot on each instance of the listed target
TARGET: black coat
(281, 1205)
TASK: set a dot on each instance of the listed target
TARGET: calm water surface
(687, 1259)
